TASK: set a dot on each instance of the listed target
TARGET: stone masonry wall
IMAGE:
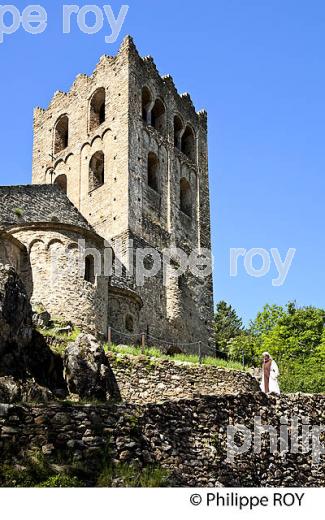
(146, 380)
(10, 252)
(56, 281)
(184, 311)
(186, 437)
(106, 208)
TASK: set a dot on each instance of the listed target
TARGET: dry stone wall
(186, 437)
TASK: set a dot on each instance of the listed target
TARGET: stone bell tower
(131, 154)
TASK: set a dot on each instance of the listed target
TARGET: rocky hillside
(140, 421)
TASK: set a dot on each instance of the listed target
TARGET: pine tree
(227, 326)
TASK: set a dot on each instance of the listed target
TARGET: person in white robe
(270, 374)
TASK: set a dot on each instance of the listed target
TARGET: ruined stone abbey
(120, 162)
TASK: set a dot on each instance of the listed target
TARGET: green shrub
(61, 481)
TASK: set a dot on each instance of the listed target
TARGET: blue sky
(257, 66)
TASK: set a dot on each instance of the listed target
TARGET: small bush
(18, 212)
(302, 376)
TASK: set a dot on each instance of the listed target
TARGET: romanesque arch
(188, 143)
(146, 104)
(153, 171)
(97, 109)
(158, 116)
(61, 134)
(96, 171)
(62, 182)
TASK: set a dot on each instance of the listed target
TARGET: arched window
(129, 323)
(146, 103)
(178, 127)
(61, 182)
(188, 143)
(96, 171)
(61, 134)
(158, 116)
(153, 171)
(97, 109)
(186, 197)
(90, 269)
(182, 282)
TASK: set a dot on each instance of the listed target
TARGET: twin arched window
(184, 139)
(97, 116)
(153, 112)
(186, 195)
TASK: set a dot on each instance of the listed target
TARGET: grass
(62, 481)
(151, 352)
(34, 471)
(131, 476)
(37, 472)
(63, 339)
(188, 358)
(53, 333)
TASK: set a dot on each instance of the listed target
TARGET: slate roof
(38, 203)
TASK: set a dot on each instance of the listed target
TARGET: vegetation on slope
(294, 336)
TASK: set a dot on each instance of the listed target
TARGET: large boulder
(16, 328)
(24, 354)
(15, 309)
(87, 370)
(45, 366)
(15, 391)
